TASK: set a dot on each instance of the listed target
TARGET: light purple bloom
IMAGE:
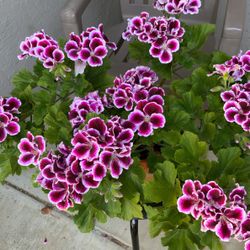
(237, 105)
(9, 108)
(90, 47)
(8, 126)
(85, 146)
(97, 128)
(101, 148)
(178, 6)
(80, 107)
(209, 202)
(163, 49)
(226, 223)
(31, 148)
(164, 35)
(191, 202)
(147, 119)
(235, 68)
(42, 47)
(115, 161)
(93, 52)
(123, 97)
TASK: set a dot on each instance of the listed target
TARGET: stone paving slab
(59, 227)
(116, 228)
(24, 227)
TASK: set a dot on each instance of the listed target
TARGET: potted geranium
(146, 144)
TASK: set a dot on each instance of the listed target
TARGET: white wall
(18, 19)
(245, 43)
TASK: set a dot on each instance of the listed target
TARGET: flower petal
(26, 159)
(145, 129)
(157, 120)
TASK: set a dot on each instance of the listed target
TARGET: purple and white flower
(147, 118)
(237, 105)
(178, 6)
(31, 149)
(9, 108)
(42, 47)
(209, 202)
(8, 126)
(164, 35)
(90, 47)
(234, 69)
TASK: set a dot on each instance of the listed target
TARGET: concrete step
(23, 221)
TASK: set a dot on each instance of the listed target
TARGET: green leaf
(132, 180)
(228, 159)
(191, 103)
(181, 239)
(178, 119)
(181, 86)
(113, 208)
(201, 83)
(8, 163)
(163, 70)
(85, 219)
(211, 240)
(196, 35)
(164, 187)
(130, 208)
(139, 51)
(47, 80)
(192, 150)
(219, 57)
(98, 76)
(57, 124)
(5, 167)
(22, 80)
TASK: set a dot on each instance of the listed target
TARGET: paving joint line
(97, 230)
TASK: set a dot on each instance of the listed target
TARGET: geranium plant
(147, 142)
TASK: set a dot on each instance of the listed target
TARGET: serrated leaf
(85, 219)
(8, 163)
(130, 208)
(181, 239)
(192, 149)
(197, 34)
(163, 70)
(163, 188)
(132, 180)
(178, 119)
(5, 167)
(57, 124)
(139, 51)
(23, 79)
(98, 76)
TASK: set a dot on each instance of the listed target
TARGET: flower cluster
(42, 47)
(98, 148)
(135, 92)
(235, 68)
(31, 149)
(226, 216)
(90, 47)
(164, 35)
(8, 119)
(237, 105)
(80, 107)
(244, 234)
(178, 6)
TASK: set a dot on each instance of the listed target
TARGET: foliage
(196, 143)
